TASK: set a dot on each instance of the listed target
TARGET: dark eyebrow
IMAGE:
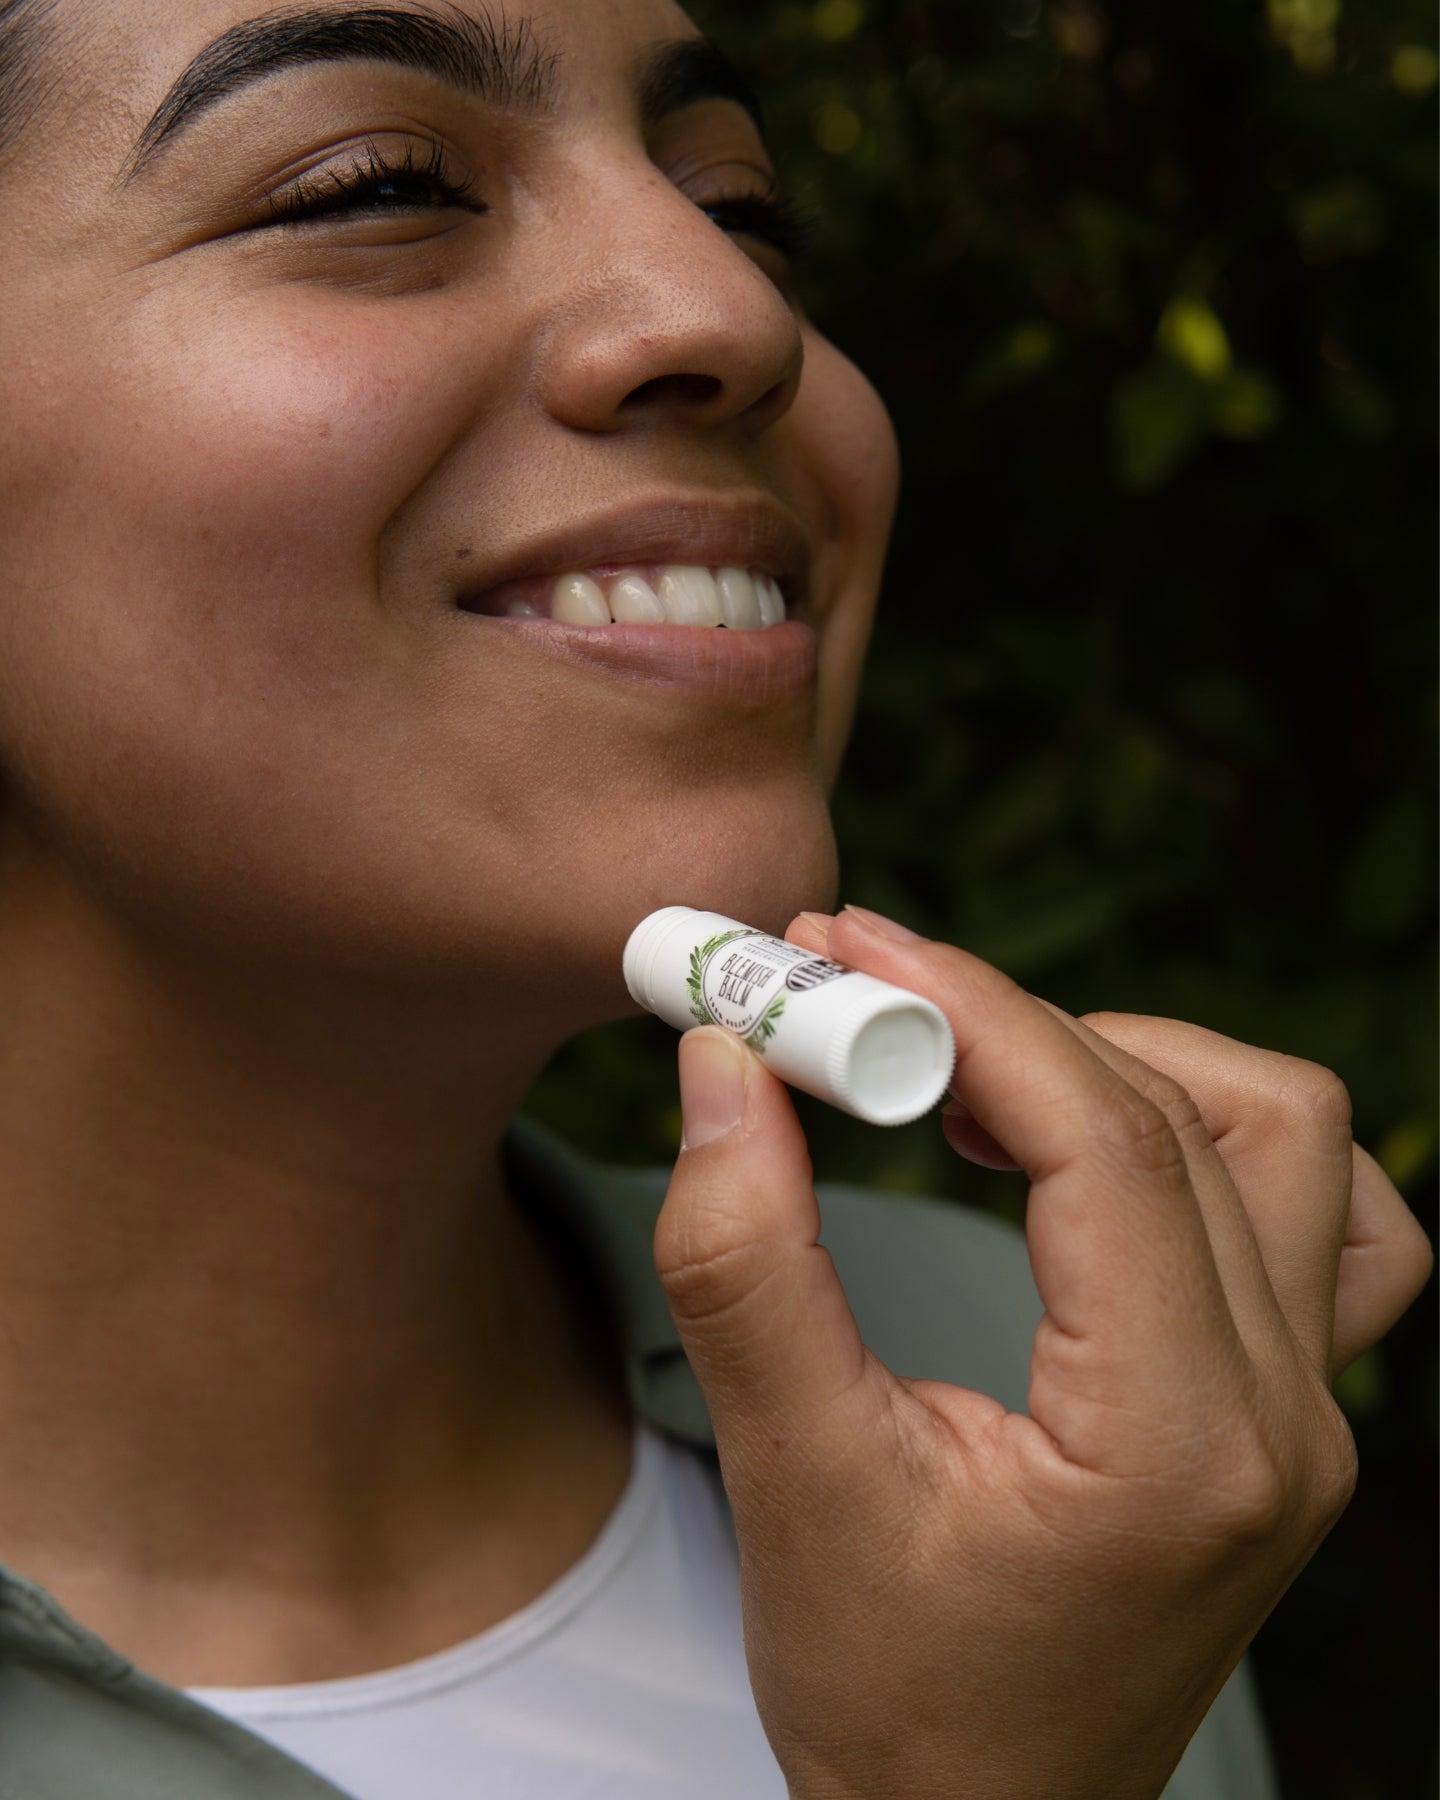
(503, 63)
(678, 75)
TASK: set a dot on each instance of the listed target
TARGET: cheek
(168, 509)
(853, 444)
(193, 532)
(848, 446)
(263, 449)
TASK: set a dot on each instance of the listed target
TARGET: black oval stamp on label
(813, 974)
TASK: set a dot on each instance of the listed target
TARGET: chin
(761, 855)
(761, 865)
(769, 894)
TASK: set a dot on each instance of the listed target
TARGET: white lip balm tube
(878, 1052)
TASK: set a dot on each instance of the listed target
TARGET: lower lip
(762, 668)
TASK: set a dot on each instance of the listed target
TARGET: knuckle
(968, 983)
(1288, 1490)
(1336, 1464)
(703, 1288)
(1241, 1494)
(1259, 1497)
(1143, 1136)
(1316, 1099)
(705, 1265)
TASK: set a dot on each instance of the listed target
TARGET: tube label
(742, 980)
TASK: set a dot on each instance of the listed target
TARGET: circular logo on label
(813, 974)
(737, 983)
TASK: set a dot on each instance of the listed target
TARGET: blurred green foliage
(1150, 291)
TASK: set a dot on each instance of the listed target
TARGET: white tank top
(626, 1680)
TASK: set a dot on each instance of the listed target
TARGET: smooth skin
(305, 872)
(1048, 1603)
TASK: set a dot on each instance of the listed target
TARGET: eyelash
(383, 183)
(412, 182)
(774, 219)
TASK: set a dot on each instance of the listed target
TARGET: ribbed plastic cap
(896, 1064)
(643, 947)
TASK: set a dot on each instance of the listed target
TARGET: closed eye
(772, 219)
(376, 184)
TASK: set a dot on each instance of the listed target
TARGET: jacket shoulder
(940, 1291)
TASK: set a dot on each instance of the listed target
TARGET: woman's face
(316, 372)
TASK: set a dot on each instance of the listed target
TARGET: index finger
(1118, 1245)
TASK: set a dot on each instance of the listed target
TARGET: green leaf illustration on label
(740, 985)
(765, 1025)
(695, 980)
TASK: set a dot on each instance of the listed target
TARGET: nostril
(773, 404)
(690, 392)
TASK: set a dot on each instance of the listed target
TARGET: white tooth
(689, 596)
(578, 601)
(633, 602)
(772, 605)
(521, 609)
(739, 603)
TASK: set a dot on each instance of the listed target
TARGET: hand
(943, 1599)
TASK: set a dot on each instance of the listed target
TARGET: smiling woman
(433, 538)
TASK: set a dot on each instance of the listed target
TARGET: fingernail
(883, 927)
(712, 1086)
(820, 922)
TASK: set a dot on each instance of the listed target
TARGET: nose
(665, 320)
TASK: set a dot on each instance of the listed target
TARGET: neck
(270, 1312)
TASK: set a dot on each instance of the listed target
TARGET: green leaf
(1191, 334)
(1158, 417)
(1247, 404)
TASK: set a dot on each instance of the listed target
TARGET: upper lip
(705, 530)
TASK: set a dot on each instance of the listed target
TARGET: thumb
(757, 1302)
